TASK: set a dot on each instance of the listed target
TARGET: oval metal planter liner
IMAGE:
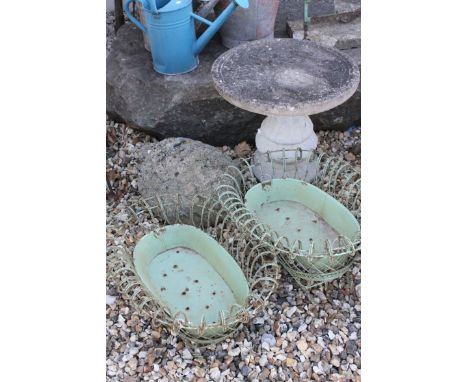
(202, 281)
(314, 226)
(192, 274)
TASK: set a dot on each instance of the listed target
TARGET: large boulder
(179, 170)
(187, 105)
(171, 106)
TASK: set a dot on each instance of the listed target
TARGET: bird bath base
(282, 135)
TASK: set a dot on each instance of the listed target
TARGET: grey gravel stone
(245, 370)
(269, 339)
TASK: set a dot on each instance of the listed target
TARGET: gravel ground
(294, 340)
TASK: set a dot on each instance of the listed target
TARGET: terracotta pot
(139, 15)
(254, 23)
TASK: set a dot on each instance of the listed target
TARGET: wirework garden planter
(314, 226)
(201, 281)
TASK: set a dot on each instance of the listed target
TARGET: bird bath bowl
(314, 226)
(286, 80)
(201, 280)
(192, 275)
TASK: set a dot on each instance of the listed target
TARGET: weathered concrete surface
(319, 11)
(171, 106)
(334, 34)
(285, 77)
(180, 166)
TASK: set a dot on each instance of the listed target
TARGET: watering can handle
(132, 18)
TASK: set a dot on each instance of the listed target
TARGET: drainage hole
(287, 218)
(186, 289)
(187, 308)
(184, 293)
(196, 281)
(174, 266)
(177, 251)
(163, 289)
(298, 230)
(277, 210)
(213, 293)
(165, 274)
(207, 307)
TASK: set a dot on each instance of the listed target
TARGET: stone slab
(334, 34)
(319, 11)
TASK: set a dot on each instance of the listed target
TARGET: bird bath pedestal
(287, 80)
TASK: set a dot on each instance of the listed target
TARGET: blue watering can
(170, 27)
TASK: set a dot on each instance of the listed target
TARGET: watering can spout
(214, 26)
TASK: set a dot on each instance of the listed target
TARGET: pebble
(245, 370)
(290, 311)
(302, 346)
(268, 339)
(350, 157)
(291, 362)
(215, 373)
(199, 372)
(133, 363)
(110, 300)
(186, 354)
(318, 369)
(264, 375)
(263, 360)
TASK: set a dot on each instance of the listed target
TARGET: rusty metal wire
(309, 267)
(257, 261)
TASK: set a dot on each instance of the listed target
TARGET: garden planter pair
(205, 277)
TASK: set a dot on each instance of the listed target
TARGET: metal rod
(205, 9)
(306, 18)
(119, 19)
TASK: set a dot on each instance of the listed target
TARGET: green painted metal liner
(313, 226)
(192, 274)
(202, 279)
